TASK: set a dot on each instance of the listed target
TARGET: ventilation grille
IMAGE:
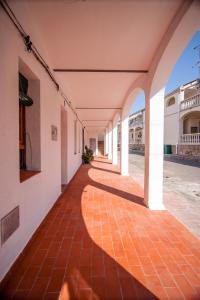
(9, 224)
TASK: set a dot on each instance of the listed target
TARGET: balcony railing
(138, 123)
(190, 139)
(190, 102)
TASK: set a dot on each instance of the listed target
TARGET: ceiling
(97, 34)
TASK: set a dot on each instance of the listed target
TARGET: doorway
(63, 148)
(93, 145)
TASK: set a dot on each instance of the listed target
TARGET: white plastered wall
(171, 124)
(36, 195)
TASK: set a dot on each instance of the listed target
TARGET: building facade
(181, 122)
(137, 130)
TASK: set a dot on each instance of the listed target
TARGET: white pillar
(143, 130)
(97, 148)
(154, 129)
(124, 146)
(114, 145)
(107, 144)
(104, 138)
(110, 140)
(180, 120)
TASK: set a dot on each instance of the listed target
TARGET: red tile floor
(100, 242)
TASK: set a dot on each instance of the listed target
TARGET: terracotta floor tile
(100, 242)
(132, 257)
(147, 266)
(174, 293)
(192, 277)
(20, 295)
(51, 296)
(188, 291)
(99, 287)
(128, 288)
(39, 288)
(56, 280)
(174, 268)
(154, 285)
(165, 277)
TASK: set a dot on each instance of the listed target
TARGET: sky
(185, 70)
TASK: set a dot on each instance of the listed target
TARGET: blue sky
(185, 70)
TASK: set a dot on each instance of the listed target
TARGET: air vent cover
(9, 224)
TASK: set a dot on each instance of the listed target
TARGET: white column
(124, 146)
(114, 145)
(106, 140)
(110, 140)
(154, 129)
(97, 148)
(180, 120)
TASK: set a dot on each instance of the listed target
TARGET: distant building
(182, 121)
(137, 130)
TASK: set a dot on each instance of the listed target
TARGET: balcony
(190, 102)
(136, 123)
(190, 139)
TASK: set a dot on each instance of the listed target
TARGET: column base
(155, 206)
(124, 174)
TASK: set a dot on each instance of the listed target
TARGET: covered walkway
(99, 241)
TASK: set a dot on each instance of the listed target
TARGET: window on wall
(23, 98)
(194, 129)
(29, 122)
(75, 136)
(171, 101)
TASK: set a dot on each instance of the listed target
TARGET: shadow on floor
(102, 160)
(67, 256)
(106, 170)
(186, 162)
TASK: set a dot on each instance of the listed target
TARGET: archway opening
(182, 137)
(137, 138)
(63, 134)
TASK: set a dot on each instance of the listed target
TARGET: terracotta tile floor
(100, 242)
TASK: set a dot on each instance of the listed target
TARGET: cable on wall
(31, 48)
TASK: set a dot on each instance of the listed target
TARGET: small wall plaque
(9, 224)
(54, 133)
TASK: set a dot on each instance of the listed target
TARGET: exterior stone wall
(136, 147)
(189, 150)
(173, 149)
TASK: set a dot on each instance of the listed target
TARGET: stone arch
(137, 86)
(171, 101)
(178, 35)
(191, 122)
(182, 28)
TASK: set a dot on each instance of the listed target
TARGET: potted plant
(87, 155)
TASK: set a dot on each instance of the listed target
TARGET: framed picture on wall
(54, 133)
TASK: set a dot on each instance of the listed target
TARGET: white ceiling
(112, 34)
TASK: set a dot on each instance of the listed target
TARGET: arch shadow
(75, 260)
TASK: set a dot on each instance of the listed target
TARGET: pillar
(114, 145)
(104, 142)
(180, 120)
(124, 146)
(154, 132)
(110, 140)
(97, 147)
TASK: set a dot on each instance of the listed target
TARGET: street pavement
(181, 188)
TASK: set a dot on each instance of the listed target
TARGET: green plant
(87, 156)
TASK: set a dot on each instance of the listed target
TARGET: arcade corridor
(100, 242)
